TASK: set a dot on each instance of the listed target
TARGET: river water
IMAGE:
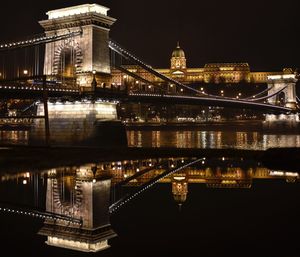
(211, 207)
(211, 139)
(188, 139)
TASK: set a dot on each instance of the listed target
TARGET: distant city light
(25, 72)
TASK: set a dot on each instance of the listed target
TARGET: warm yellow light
(222, 91)
(76, 10)
(24, 181)
(94, 72)
(25, 72)
(179, 178)
(94, 181)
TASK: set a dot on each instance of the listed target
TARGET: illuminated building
(210, 73)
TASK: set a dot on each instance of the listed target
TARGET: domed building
(178, 62)
(210, 73)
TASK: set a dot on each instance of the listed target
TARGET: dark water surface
(232, 208)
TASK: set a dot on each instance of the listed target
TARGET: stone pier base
(282, 121)
(79, 124)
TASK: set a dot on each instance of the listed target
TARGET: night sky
(263, 33)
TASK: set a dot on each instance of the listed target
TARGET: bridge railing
(39, 83)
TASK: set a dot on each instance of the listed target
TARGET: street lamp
(25, 72)
(94, 82)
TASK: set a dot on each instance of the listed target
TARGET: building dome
(178, 52)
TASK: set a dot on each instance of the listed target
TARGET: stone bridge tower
(80, 56)
(287, 84)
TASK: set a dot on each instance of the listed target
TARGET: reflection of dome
(178, 52)
(179, 189)
(180, 199)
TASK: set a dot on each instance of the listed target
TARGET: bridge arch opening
(281, 99)
(68, 60)
(67, 67)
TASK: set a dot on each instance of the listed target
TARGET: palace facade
(211, 73)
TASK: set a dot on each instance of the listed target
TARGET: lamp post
(94, 82)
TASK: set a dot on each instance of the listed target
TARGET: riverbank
(16, 159)
(234, 126)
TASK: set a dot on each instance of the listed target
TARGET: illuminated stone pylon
(83, 196)
(287, 96)
(83, 53)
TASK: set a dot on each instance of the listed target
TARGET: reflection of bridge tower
(83, 196)
(81, 54)
(285, 83)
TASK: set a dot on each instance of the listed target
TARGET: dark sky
(263, 33)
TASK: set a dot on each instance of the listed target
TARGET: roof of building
(178, 52)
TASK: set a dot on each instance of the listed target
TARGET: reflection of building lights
(276, 173)
(292, 174)
(179, 178)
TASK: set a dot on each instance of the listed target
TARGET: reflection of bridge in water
(79, 200)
